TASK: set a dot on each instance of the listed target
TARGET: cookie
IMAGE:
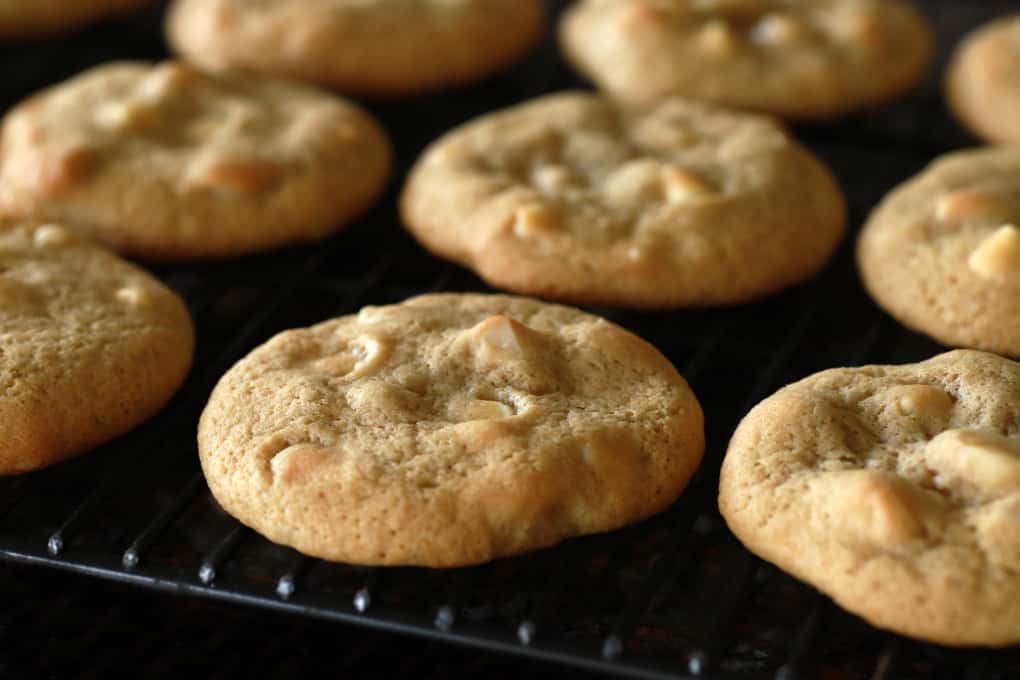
(570, 197)
(941, 253)
(448, 430)
(797, 60)
(23, 18)
(893, 489)
(167, 162)
(983, 81)
(90, 346)
(379, 47)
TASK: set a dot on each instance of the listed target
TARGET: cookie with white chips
(572, 197)
(448, 430)
(983, 81)
(893, 489)
(941, 253)
(90, 345)
(168, 162)
(799, 59)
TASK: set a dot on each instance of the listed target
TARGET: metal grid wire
(675, 596)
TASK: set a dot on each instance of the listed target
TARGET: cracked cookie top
(448, 430)
(797, 59)
(166, 161)
(893, 489)
(572, 197)
(941, 252)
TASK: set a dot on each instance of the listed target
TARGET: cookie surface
(983, 81)
(364, 46)
(21, 18)
(893, 489)
(90, 346)
(798, 60)
(448, 430)
(166, 162)
(570, 197)
(941, 253)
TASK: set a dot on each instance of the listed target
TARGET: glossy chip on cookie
(941, 253)
(448, 430)
(571, 197)
(893, 489)
(798, 60)
(90, 345)
(375, 47)
(165, 161)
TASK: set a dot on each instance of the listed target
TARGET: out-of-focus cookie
(570, 197)
(448, 430)
(941, 253)
(983, 81)
(893, 489)
(167, 162)
(23, 18)
(380, 47)
(90, 346)
(797, 60)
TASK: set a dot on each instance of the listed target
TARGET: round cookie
(941, 253)
(90, 346)
(893, 489)
(448, 430)
(167, 162)
(573, 198)
(21, 18)
(983, 81)
(383, 47)
(798, 60)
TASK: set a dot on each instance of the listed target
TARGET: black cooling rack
(675, 596)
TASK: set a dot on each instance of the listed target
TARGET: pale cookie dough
(448, 430)
(382, 47)
(90, 346)
(570, 197)
(983, 81)
(941, 253)
(166, 162)
(23, 18)
(797, 59)
(893, 489)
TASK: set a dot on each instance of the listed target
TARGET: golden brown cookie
(893, 489)
(570, 197)
(941, 253)
(22, 18)
(167, 162)
(448, 430)
(380, 47)
(798, 60)
(90, 346)
(983, 81)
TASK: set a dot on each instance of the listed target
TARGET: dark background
(705, 593)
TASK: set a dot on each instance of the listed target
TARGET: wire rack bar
(133, 555)
(211, 563)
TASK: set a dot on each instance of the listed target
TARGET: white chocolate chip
(683, 186)
(50, 236)
(165, 80)
(363, 357)
(125, 116)
(778, 29)
(966, 205)
(500, 338)
(876, 509)
(718, 37)
(635, 254)
(133, 295)
(977, 464)
(998, 256)
(554, 178)
(530, 220)
(465, 410)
